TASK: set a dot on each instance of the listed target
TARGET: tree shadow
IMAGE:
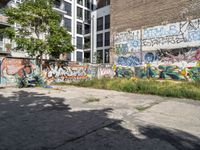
(35, 121)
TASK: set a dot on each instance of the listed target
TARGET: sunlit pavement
(71, 118)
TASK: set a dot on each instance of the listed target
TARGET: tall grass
(154, 87)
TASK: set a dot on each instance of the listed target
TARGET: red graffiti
(19, 67)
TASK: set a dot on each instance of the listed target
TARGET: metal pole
(92, 47)
(141, 39)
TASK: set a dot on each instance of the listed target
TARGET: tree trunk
(40, 63)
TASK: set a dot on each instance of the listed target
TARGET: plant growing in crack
(91, 100)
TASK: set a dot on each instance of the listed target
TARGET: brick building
(134, 14)
(139, 28)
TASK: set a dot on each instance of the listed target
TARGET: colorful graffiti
(127, 42)
(174, 35)
(105, 72)
(12, 68)
(60, 72)
(124, 72)
(159, 65)
(129, 61)
(169, 72)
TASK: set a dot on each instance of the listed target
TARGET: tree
(40, 31)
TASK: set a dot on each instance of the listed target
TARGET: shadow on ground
(34, 121)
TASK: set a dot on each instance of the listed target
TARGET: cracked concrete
(49, 119)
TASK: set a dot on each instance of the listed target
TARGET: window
(79, 28)
(100, 24)
(79, 57)
(57, 4)
(87, 42)
(68, 8)
(107, 39)
(107, 56)
(87, 57)
(87, 15)
(79, 13)
(79, 42)
(1, 37)
(87, 4)
(87, 29)
(99, 56)
(99, 40)
(80, 2)
(67, 24)
(107, 22)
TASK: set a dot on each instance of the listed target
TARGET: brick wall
(134, 14)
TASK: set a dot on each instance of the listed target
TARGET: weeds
(91, 100)
(144, 86)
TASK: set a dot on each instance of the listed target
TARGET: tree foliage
(39, 30)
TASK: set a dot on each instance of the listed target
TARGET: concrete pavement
(71, 118)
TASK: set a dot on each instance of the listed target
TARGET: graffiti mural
(60, 72)
(124, 72)
(174, 35)
(127, 42)
(12, 68)
(105, 72)
(129, 60)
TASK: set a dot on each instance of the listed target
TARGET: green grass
(145, 86)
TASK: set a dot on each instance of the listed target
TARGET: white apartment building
(100, 26)
(76, 17)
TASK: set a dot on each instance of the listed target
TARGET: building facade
(100, 36)
(144, 31)
(76, 19)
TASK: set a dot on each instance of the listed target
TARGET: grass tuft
(91, 100)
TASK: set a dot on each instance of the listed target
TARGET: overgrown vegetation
(142, 86)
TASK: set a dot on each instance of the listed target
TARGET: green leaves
(39, 30)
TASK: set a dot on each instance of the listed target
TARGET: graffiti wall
(52, 71)
(170, 51)
(12, 68)
(158, 65)
(175, 64)
(175, 35)
(133, 48)
(61, 72)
